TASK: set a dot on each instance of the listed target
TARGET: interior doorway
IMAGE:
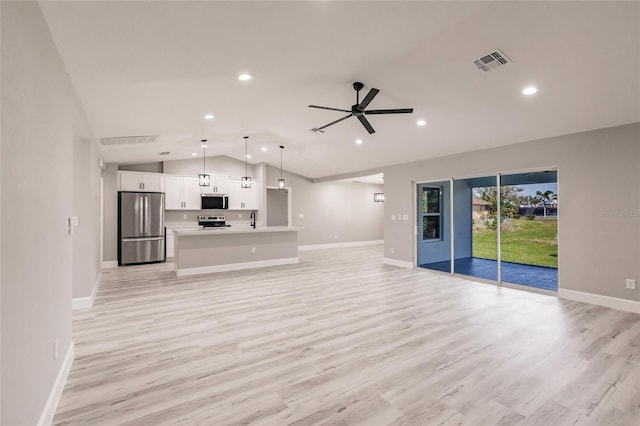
(278, 210)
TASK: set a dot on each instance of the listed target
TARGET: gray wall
(110, 230)
(332, 209)
(86, 206)
(599, 222)
(41, 119)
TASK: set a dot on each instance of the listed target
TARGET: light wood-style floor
(342, 339)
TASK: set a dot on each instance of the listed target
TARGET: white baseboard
(109, 264)
(46, 418)
(597, 299)
(339, 245)
(396, 262)
(87, 302)
(236, 266)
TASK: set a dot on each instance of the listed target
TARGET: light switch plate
(405, 217)
(631, 284)
(301, 215)
(74, 220)
(393, 217)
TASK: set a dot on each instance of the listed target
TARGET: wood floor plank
(342, 339)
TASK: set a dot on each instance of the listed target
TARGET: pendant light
(246, 179)
(203, 178)
(281, 180)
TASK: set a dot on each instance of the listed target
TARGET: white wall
(41, 119)
(599, 215)
(110, 213)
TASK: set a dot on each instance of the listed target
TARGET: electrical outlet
(55, 349)
(239, 215)
(253, 250)
(184, 216)
(74, 220)
(631, 284)
(301, 216)
(393, 250)
(67, 227)
(335, 237)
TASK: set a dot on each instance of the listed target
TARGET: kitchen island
(203, 251)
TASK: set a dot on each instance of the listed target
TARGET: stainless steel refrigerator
(140, 228)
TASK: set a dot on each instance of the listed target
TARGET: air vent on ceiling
(492, 60)
(129, 140)
(165, 153)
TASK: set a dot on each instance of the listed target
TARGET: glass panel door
(529, 229)
(475, 224)
(434, 227)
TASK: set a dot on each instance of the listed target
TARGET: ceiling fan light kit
(358, 110)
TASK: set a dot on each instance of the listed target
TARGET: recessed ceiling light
(264, 149)
(359, 141)
(421, 123)
(245, 77)
(209, 117)
(529, 90)
(194, 154)
(248, 155)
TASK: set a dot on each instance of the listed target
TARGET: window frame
(437, 215)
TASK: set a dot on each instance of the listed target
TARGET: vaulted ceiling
(156, 68)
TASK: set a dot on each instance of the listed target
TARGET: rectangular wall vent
(129, 140)
(492, 60)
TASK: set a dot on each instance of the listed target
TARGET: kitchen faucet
(253, 219)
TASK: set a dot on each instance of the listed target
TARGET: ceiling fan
(358, 110)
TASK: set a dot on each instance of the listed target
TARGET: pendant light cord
(246, 140)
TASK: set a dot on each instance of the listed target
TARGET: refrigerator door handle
(147, 227)
(141, 215)
(129, 240)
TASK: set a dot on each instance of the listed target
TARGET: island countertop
(233, 230)
(203, 251)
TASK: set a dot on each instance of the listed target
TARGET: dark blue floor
(515, 273)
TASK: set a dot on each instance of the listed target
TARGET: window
(431, 225)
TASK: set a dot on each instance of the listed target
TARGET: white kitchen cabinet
(219, 184)
(140, 181)
(182, 193)
(243, 198)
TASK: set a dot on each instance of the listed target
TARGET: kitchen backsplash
(191, 216)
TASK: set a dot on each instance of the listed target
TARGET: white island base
(203, 251)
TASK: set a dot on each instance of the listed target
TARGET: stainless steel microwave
(215, 202)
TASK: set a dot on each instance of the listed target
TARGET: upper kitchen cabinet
(182, 193)
(140, 181)
(243, 198)
(219, 184)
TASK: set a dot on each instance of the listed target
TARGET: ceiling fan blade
(331, 109)
(332, 123)
(366, 124)
(367, 99)
(389, 111)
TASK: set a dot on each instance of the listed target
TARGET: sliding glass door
(475, 227)
(504, 228)
(434, 226)
(529, 229)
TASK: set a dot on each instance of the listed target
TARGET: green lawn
(533, 244)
